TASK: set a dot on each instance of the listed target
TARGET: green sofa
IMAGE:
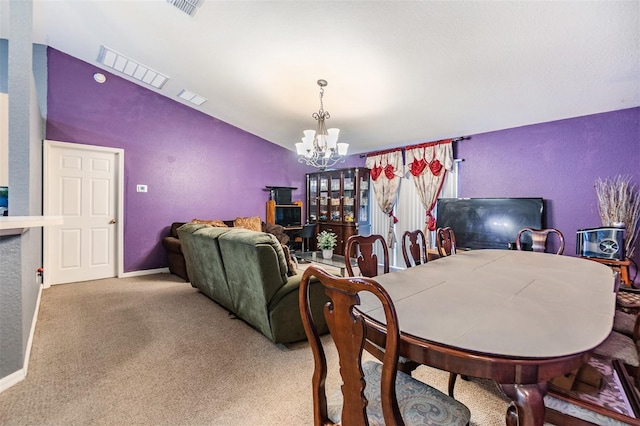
(246, 272)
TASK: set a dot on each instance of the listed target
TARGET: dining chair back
(539, 239)
(416, 253)
(363, 249)
(446, 241)
(371, 392)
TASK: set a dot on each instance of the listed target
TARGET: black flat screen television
(289, 215)
(488, 223)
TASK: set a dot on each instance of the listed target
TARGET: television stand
(271, 211)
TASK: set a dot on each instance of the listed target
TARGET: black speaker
(281, 194)
(602, 243)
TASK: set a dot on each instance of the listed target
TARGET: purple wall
(558, 161)
(195, 166)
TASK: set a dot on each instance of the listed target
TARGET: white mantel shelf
(15, 225)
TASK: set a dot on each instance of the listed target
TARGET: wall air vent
(124, 65)
(190, 7)
(191, 97)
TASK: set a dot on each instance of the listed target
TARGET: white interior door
(82, 184)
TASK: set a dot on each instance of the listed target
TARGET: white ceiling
(398, 72)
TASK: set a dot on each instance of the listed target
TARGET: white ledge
(14, 225)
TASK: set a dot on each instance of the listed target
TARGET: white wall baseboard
(20, 375)
(12, 379)
(145, 272)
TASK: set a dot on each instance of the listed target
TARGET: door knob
(112, 221)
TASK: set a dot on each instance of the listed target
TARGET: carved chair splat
(363, 248)
(446, 241)
(417, 244)
(539, 239)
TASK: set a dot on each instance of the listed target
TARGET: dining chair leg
(452, 383)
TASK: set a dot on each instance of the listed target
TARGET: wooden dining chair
(417, 248)
(446, 241)
(363, 249)
(371, 393)
(446, 244)
(539, 239)
(623, 343)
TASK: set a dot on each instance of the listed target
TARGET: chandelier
(320, 148)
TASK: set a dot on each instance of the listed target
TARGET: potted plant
(326, 242)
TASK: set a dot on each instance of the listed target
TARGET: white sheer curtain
(410, 212)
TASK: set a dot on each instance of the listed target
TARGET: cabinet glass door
(313, 198)
(363, 213)
(323, 199)
(349, 196)
(335, 196)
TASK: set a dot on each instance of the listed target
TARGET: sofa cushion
(174, 229)
(619, 346)
(256, 269)
(218, 223)
(205, 266)
(624, 323)
(172, 244)
(253, 223)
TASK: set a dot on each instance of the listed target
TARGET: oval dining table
(519, 318)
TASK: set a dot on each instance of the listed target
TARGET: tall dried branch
(619, 202)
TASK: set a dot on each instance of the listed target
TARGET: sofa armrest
(173, 232)
(172, 244)
(284, 310)
(292, 285)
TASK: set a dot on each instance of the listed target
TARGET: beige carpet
(154, 351)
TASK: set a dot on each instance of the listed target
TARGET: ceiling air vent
(191, 97)
(190, 7)
(121, 63)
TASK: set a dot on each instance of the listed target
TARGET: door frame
(46, 196)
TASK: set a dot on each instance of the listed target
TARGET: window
(410, 213)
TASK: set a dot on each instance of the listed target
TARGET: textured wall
(559, 161)
(195, 166)
(20, 255)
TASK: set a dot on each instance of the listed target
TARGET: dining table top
(509, 303)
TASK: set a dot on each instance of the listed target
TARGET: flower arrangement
(619, 203)
(327, 240)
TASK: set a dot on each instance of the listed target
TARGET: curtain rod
(458, 139)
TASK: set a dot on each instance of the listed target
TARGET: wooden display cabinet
(338, 201)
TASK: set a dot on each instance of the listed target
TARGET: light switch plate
(141, 188)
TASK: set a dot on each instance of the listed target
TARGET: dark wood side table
(622, 266)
